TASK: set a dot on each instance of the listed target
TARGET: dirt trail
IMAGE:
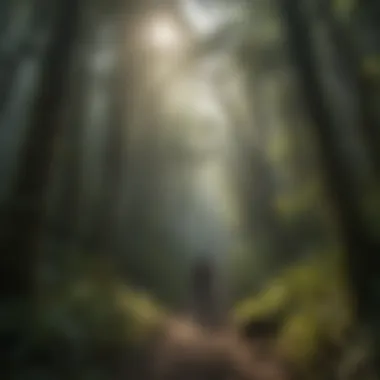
(205, 346)
(187, 350)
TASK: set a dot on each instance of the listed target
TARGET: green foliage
(95, 305)
(313, 299)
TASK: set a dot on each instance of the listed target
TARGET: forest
(140, 137)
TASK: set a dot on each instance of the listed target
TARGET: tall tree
(360, 246)
(21, 221)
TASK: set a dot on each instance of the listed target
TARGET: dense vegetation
(251, 136)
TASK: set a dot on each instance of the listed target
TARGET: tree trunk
(360, 247)
(22, 218)
(349, 60)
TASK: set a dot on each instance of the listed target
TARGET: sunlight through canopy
(163, 33)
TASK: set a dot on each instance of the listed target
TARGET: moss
(314, 300)
(94, 305)
(273, 299)
(300, 336)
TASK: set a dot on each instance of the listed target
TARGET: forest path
(187, 350)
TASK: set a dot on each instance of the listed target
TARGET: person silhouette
(203, 284)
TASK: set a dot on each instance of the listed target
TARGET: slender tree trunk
(350, 64)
